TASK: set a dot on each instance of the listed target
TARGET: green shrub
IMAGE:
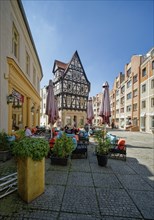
(63, 146)
(36, 148)
(4, 142)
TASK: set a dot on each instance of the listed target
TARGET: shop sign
(17, 95)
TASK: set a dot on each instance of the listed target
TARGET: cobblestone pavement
(124, 190)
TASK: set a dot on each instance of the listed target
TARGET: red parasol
(105, 109)
(90, 113)
(51, 106)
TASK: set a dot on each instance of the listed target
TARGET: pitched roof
(61, 64)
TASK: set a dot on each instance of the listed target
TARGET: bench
(80, 151)
(116, 153)
(118, 147)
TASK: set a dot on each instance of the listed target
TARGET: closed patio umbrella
(90, 112)
(105, 109)
(51, 106)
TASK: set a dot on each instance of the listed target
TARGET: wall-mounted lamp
(32, 109)
(10, 99)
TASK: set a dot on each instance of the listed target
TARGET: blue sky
(105, 33)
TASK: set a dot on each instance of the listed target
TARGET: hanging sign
(17, 95)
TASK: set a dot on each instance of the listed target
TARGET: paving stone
(134, 182)
(116, 202)
(95, 168)
(80, 165)
(35, 215)
(80, 179)
(80, 200)
(144, 201)
(50, 200)
(122, 168)
(149, 180)
(70, 216)
(106, 180)
(56, 177)
(141, 169)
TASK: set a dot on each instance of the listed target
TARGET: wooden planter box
(31, 178)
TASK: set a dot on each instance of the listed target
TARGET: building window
(135, 78)
(143, 88)
(128, 109)
(27, 64)
(117, 102)
(153, 64)
(117, 92)
(122, 90)
(143, 104)
(152, 121)
(117, 111)
(128, 72)
(152, 83)
(152, 102)
(117, 84)
(144, 72)
(122, 110)
(34, 75)
(38, 84)
(122, 100)
(15, 42)
(129, 83)
(135, 93)
(135, 121)
(143, 122)
(135, 107)
(129, 95)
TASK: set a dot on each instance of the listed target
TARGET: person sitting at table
(28, 132)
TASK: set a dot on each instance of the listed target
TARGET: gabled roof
(65, 66)
(60, 65)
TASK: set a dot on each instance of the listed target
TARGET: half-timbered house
(71, 87)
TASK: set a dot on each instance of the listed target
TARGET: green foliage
(19, 134)
(4, 142)
(103, 144)
(63, 146)
(36, 148)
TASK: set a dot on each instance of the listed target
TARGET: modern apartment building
(132, 96)
(147, 92)
(20, 70)
(96, 100)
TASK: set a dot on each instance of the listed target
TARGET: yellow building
(20, 71)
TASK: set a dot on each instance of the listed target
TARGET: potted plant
(61, 150)
(5, 151)
(30, 154)
(102, 147)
